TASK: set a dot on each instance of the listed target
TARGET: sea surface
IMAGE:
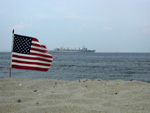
(75, 66)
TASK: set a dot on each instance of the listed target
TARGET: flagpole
(11, 52)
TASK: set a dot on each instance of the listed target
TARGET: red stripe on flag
(44, 46)
(35, 39)
(29, 68)
(34, 63)
(31, 58)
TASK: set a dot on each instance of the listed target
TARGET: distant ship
(84, 49)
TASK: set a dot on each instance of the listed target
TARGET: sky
(102, 25)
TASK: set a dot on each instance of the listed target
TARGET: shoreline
(21, 95)
(97, 79)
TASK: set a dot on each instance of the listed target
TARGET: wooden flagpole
(11, 52)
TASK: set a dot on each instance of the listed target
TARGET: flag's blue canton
(22, 44)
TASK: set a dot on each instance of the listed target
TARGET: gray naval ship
(62, 49)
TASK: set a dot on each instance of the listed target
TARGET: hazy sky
(103, 25)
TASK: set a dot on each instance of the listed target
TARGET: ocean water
(75, 66)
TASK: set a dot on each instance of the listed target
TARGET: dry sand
(52, 96)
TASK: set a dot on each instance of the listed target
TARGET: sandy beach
(18, 95)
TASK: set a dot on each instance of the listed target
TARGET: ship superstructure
(62, 49)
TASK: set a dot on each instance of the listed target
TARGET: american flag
(27, 53)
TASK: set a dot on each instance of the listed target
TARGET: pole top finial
(13, 31)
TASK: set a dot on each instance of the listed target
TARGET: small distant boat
(84, 49)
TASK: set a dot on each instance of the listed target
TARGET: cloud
(146, 30)
(144, 0)
(62, 8)
(21, 25)
(73, 16)
(1, 12)
(107, 28)
(42, 16)
(83, 25)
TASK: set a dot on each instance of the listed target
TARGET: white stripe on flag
(21, 59)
